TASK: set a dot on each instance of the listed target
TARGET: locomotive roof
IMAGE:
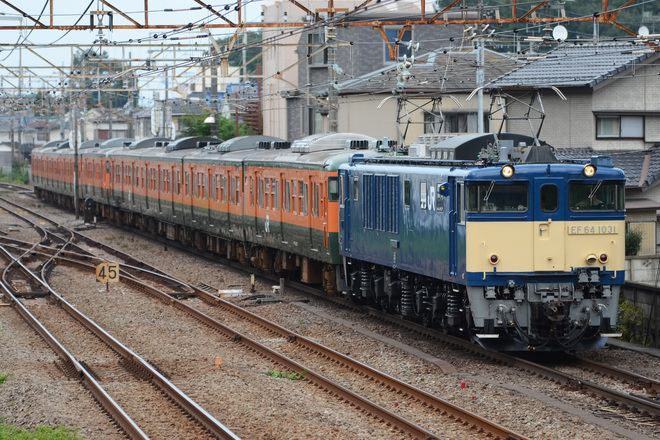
(473, 171)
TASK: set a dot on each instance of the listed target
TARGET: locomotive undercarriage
(538, 316)
(426, 300)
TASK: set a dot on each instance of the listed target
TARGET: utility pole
(481, 60)
(214, 97)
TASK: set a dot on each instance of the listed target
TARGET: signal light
(507, 171)
(591, 259)
(603, 258)
(589, 170)
(494, 259)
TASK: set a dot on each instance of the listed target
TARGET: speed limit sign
(107, 272)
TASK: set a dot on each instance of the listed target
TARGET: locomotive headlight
(494, 259)
(589, 170)
(603, 258)
(507, 171)
(591, 259)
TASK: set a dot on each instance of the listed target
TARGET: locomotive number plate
(592, 230)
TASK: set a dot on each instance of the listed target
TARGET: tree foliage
(92, 67)
(633, 241)
(194, 125)
(253, 50)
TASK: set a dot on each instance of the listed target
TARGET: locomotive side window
(406, 193)
(598, 196)
(342, 189)
(492, 197)
(549, 198)
(356, 189)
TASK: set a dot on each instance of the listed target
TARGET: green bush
(3, 377)
(19, 174)
(633, 241)
(630, 319)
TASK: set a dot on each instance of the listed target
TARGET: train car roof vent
(191, 142)
(602, 161)
(209, 145)
(326, 142)
(385, 144)
(251, 142)
(281, 145)
(358, 144)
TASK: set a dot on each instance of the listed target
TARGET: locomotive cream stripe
(544, 246)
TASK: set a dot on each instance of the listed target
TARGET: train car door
(344, 212)
(107, 180)
(548, 231)
(173, 188)
(456, 224)
(207, 196)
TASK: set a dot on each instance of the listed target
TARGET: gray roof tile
(574, 65)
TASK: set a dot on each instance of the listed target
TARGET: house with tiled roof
(600, 96)
(433, 98)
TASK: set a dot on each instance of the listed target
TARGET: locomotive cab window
(494, 197)
(599, 196)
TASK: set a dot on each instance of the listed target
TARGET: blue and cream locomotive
(521, 256)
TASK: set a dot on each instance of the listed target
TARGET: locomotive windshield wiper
(593, 191)
(490, 190)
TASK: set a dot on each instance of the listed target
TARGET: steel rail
(647, 383)
(448, 409)
(633, 403)
(168, 388)
(123, 420)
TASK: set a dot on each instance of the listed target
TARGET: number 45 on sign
(107, 273)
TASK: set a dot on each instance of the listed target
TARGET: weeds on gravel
(39, 433)
(290, 376)
(3, 377)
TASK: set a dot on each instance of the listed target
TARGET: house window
(394, 34)
(315, 120)
(315, 41)
(619, 127)
(454, 123)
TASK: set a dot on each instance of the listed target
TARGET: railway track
(140, 382)
(639, 401)
(461, 418)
